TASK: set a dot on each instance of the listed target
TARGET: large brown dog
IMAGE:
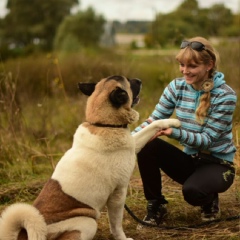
(95, 172)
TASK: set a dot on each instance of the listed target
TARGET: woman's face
(195, 73)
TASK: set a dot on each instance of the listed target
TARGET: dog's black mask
(118, 96)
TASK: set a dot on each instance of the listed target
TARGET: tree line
(42, 25)
(45, 25)
(190, 20)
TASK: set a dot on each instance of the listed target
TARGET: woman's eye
(193, 65)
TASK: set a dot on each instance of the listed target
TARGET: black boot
(156, 211)
(211, 211)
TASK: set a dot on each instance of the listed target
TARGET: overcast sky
(138, 9)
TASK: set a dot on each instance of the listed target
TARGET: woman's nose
(185, 70)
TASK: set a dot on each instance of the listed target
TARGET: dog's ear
(87, 88)
(118, 97)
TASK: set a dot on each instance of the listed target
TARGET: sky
(124, 10)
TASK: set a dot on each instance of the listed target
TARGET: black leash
(178, 227)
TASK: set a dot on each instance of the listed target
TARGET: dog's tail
(22, 216)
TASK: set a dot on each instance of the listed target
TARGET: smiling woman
(198, 62)
(204, 104)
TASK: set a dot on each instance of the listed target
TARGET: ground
(181, 216)
(179, 222)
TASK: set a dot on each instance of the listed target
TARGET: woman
(204, 104)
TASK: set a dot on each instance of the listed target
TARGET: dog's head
(111, 100)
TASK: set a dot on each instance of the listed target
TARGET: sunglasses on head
(194, 45)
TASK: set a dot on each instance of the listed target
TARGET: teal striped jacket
(215, 134)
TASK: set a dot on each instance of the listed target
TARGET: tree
(188, 9)
(233, 29)
(83, 29)
(35, 22)
(189, 20)
(169, 29)
(219, 17)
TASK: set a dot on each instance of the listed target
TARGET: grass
(181, 216)
(40, 109)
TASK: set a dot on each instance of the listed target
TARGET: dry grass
(181, 216)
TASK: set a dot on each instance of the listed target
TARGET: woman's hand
(166, 132)
(162, 132)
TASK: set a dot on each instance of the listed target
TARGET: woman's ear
(210, 65)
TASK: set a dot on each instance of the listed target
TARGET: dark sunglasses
(194, 45)
(198, 46)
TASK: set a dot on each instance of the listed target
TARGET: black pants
(200, 180)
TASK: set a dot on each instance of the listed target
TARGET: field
(40, 108)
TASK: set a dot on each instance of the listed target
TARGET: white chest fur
(96, 165)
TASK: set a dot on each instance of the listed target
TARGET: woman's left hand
(166, 132)
(162, 132)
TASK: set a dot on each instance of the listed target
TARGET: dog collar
(109, 125)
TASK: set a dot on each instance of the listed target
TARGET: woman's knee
(194, 196)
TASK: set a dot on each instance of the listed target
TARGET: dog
(93, 173)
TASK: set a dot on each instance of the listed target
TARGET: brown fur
(98, 101)
(56, 206)
(72, 235)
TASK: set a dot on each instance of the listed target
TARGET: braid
(201, 111)
(204, 104)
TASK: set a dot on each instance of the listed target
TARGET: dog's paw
(174, 123)
(166, 123)
(119, 235)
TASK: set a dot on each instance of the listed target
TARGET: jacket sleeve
(217, 125)
(163, 109)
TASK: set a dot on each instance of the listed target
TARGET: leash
(178, 227)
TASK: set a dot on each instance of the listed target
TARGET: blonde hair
(201, 57)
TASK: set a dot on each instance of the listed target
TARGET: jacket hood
(218, 79)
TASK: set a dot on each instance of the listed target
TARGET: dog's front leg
(143, 136)
(115, 207)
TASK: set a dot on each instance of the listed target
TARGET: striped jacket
(215, 134)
